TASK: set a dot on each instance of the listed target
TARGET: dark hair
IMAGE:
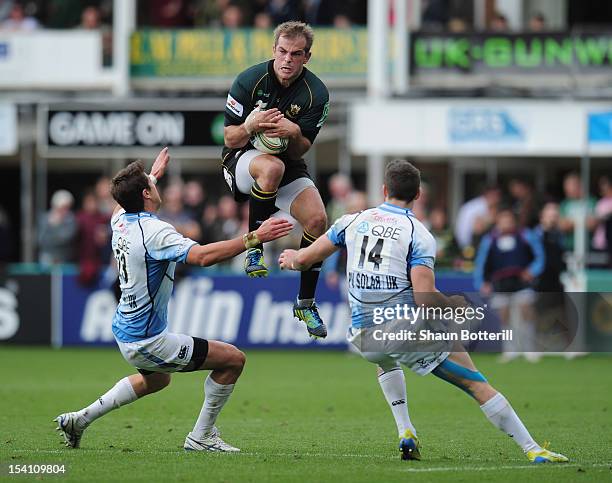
(402, 180)
(127, 186)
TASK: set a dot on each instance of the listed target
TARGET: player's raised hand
(161, 162)
(286, 259)
(273, 228)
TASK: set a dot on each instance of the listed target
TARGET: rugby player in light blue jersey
(390, 263)
(147, 251)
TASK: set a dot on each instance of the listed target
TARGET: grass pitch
(300, 416)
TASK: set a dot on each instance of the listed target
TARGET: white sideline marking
(331, 455)
(505, 467)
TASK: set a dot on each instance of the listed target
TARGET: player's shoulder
(253, 74)
(347, 219)
(421, 232)
(151, 225)
(319, 90)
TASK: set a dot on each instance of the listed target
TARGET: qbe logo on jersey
(486, 126)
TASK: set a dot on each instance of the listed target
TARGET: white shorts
(525, 296)
(286, 194)
(421, 363)
(165, 352)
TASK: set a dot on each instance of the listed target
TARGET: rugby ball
(269, 145)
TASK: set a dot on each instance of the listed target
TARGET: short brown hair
(402, 179)
(294, 29)
(127, 186)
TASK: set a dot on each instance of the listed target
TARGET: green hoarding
(224, 53)
(521, 53)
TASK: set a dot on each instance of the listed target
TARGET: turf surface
(302, 416)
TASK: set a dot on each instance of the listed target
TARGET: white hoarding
(472, 127)
(51, 60)
(8, 129)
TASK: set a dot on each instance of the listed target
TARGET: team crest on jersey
(363, 227)
(293, 110)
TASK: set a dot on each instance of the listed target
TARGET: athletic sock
(216, 395)
(261, 206)
(502, 416)
(393, 385)
(310, 277)
(119, 395)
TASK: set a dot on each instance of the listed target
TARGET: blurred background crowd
(436, 15)
(76, 227)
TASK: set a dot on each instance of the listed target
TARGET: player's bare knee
(156, 382)
(236, 362)
(271, 174)
(316, 223)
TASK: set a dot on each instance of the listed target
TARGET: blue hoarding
(600, 127)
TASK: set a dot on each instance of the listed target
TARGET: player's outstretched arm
(425, 291)
(157, 170)
(302, 259)
(206, 255)
(161, 162)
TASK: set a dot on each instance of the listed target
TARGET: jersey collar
(395, 209)
(141, 214)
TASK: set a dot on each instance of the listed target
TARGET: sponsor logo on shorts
(183, 352)
(234, 106)
(398, 402)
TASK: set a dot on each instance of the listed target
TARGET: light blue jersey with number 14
(382, 244)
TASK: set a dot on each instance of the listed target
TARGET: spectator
(5, 9)
(91, 20)
(194, 199)
(168, 13)
(573, 208)
(603, 212)
(208, 13)
(446, 247)
(457, 25)
(57, 230)
(63, 14)
(523, 202)
(550, 306)
(499, 23)
(284, 10)
(480, 208)
(420, 207)
(232, 17)
(537, 22)
(18, 21)
(93, 237)
(106, 203)
(435, 15)
(208, 222)
(262, 20)
(228, 217)
(342, 21)
(340, 186)
(551, 239)
(508, 261)
(175, 213)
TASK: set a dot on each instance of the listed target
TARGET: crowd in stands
(71, 233)
(436, 15)
(28, 15)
